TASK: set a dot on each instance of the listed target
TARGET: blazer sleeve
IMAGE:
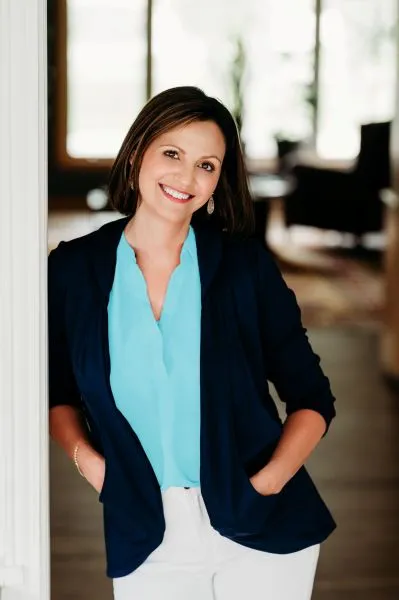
(291, 364)
(62, 384)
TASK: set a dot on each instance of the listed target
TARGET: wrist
(81, 452)
(271, 478)
(76, 457)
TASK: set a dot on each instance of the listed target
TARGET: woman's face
(180, 170)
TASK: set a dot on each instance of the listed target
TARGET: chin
(175, 216)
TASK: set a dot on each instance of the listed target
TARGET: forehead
(205, 137)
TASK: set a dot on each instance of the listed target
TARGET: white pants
(195, 562)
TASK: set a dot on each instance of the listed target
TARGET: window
(106, 68)
(357, 71)
(278, 55)
(199, 44)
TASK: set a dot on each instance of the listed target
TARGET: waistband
(179, 490)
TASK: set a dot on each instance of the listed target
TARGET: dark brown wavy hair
(173, 108)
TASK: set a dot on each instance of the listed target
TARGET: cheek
(150, 169)
(207, 184)
(205, 189)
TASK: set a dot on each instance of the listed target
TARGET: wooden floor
(356, 468)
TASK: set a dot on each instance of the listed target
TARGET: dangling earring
(132, 186)
(210, 207)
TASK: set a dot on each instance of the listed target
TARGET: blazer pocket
(258, 493)
(253, 491)
(252, 509)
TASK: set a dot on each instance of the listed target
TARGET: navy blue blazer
(251, 334)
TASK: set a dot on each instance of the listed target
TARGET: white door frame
(24, 473)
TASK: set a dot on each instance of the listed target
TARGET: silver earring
(131, 186)
(210, 207)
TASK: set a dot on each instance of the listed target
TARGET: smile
(175, 194)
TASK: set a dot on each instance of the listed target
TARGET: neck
(148, 233)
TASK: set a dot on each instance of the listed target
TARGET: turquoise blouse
(155, 365)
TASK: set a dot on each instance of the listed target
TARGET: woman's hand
(267, 481)
(92, 465)
(302, 432)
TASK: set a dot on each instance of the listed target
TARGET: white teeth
(175, 194)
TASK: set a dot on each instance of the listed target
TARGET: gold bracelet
(75, 459)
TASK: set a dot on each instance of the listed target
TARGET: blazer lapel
(209, 251)
(103, 254)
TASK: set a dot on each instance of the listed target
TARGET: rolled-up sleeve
(290, 362)
(62, 384)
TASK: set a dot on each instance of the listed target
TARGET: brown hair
(172, 108)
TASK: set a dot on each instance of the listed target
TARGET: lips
(175, 195)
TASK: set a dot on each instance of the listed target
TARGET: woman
(164, 330)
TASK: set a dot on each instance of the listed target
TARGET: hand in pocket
(266, 482)
(92, 465)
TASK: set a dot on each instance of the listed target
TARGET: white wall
(24, 513)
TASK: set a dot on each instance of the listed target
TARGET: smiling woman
(178, 163)
(164, 328)
(188, 142)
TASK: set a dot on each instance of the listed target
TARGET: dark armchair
(345, 201)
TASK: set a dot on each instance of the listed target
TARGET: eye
(171, 153)
(207, 166)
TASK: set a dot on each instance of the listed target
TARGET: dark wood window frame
(63, 160)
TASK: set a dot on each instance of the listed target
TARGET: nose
(185, 177)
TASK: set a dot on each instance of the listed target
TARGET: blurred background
(312, 85)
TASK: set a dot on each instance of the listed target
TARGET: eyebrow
(183, 151)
